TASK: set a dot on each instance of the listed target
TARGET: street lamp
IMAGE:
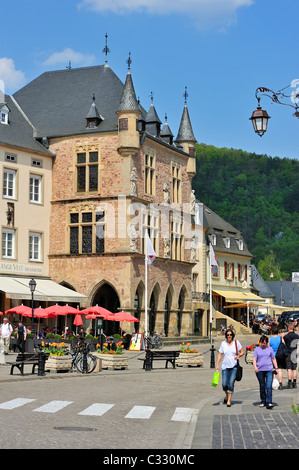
(260, 117)
(32, 285)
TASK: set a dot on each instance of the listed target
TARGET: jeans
(265, 378)
(228, 379)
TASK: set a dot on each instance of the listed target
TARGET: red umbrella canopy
(66, 310)
(78, 320)
(1, 313)
(20, 309)
(97, 311)
(124, 316)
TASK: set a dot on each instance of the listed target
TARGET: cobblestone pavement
(210, 426)
(246, 426)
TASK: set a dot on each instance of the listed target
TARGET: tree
(269, 269)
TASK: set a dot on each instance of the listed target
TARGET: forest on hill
(259, 195)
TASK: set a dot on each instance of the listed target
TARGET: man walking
(291, 340)
(5, 334)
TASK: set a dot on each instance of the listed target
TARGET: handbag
(215, 379)
(282, 351)
(239, 374)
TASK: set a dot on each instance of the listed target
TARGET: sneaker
(261, 405)
(289, 385)
(294, 384)
(270, 406)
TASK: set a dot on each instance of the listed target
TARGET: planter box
(113, 361)
(59, 363)
(190, 360)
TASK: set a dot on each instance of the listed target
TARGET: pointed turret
(152, 121)
(185, 137)
(128, 113)
(166, 133)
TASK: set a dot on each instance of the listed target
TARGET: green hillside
(259, 195)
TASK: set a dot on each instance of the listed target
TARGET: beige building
(26, 182)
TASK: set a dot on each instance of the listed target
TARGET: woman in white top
(230, 356)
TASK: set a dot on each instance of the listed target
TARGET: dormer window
(226, 242)
(4, 115)
(93, 118)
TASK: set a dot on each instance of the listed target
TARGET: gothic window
(87, 232)
(177, 237)
(87, 168)
(150, 224)
(149, 174)
(176, 183)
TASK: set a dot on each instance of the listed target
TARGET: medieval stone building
(116, 176)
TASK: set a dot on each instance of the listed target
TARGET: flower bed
(57, 359)
(189, 357)
(112, 359)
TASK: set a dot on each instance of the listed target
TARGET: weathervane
(106, 49)
(129, 61)
(185, 95)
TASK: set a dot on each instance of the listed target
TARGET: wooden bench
(25, 358)
(167, 356)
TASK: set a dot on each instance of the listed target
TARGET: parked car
(294, 316)
(285, 316)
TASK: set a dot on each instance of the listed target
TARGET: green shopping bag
(215, 379)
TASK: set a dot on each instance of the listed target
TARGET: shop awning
(238, 296)
(46, 290)
(258, 304)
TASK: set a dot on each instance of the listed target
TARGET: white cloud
(10, 78)
(205, 13)
(67, 55)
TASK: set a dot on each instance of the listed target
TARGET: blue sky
(222, 50)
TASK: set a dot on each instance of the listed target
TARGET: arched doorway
(152, 314)
(107, 297)
(181, 304)
(167, 308)
(137, 311)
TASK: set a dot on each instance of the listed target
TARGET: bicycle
(78, 354)
(154, 341)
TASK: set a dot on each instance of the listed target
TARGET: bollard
(212, 364)
(41, 362)
(147, 364)
(85, 366)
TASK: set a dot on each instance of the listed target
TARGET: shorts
(289, 363)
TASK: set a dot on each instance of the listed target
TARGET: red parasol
(96, 312)
(78, 320)
(124, 316)
(20, 309)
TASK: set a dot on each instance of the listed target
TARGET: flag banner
(150, 252)
(213, 261)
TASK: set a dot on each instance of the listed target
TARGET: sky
(221, 50)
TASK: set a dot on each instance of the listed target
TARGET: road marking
(97, 409)
(141, 412)
(10, 405)
(53, 406)
(184, 414)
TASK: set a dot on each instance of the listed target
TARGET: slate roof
(19, 132)
(185, 131)
(259, 284)
(128, 101)
(287, 293)
(58, 102)
(222, 229)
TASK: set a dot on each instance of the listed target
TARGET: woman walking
(263, 362)
(275, 341)
(231, 351)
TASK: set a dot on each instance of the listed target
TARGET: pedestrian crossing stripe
(99, 409)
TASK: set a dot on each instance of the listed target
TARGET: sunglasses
(229, 334)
